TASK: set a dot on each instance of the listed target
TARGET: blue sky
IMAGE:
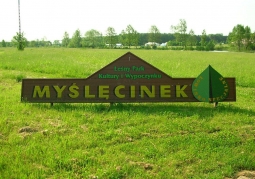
(49, 19)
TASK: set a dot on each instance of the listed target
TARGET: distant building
(151, 44)
(119, 45)
(163, 44)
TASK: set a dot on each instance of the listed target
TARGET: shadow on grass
(203, 110)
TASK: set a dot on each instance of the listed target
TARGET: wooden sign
(127, 79)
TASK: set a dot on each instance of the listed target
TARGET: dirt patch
(27, 129)
(245, 174)
(146, 166)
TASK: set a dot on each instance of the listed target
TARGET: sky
(50, 19)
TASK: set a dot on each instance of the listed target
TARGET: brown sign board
(127, 79)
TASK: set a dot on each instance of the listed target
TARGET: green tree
(210, 46)
(123, 38)
(19, 41)
(129, 36)
(154, 34)
(111, 37)
(203, 38)
(34, 43)
(191, 38)
(180, 32)
(136, 36)
(218, 38)
(76, 40)
(92, 38)
(45, 43)
(3, 43)
(65, 40)
(102, 43)
(236, 36)
(253, 41)
(56, 43)
(247, 37)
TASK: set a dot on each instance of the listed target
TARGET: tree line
(240, 38)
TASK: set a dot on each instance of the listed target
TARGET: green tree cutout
(210, 86)
(20, 41)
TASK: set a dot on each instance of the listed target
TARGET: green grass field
(140, 140)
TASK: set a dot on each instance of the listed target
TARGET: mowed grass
(144, 140)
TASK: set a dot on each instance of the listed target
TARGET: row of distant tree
(240, 38)
(101, 41)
